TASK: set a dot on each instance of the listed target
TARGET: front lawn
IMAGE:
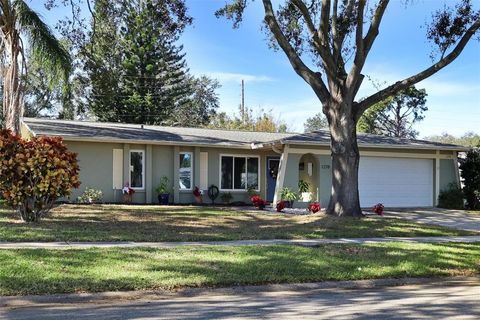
(62, 271)
(175, 223)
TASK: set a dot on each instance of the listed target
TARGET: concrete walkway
(299, 242)
(441, 299)
(457, 219)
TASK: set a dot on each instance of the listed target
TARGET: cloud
(238, 77)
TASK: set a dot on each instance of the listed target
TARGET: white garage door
(396, 182)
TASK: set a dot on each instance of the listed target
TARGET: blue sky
(213, 48)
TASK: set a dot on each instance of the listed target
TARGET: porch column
(126, 163)
(281, 174)
(437, 178)
(457, 170)
(176, 168)
(148, 174)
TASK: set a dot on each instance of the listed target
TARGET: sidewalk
(298, 242)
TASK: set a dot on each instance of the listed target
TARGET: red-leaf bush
(314, 207)
(35, 173)
(378, 209)
(258, 202)
(280, 206)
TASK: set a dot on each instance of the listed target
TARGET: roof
(135, 133)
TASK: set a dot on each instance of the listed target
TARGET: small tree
(35, 173)
(315, 123)
(470, 167)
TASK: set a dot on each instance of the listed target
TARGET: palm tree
(18, 21)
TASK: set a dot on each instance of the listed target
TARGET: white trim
(281, 173)
(437, 178)
(377, 154)
(233, 168)
(191, 170)
(457, 170)
(130, 169)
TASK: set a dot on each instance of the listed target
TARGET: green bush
(470, 167)
(451, 197)
(91, 196)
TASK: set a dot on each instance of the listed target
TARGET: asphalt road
(440, 300)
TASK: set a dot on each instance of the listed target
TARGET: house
(395, 172)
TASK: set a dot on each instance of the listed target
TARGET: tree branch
(312, 78)
(405, 83)
(364, 44)
(320, 45)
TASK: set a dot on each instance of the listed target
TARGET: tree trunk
(344, 199)
(12, 91)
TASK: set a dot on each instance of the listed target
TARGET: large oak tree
(331, 31)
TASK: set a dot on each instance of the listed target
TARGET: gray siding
(447, 173)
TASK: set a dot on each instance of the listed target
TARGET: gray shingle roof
(119, 132)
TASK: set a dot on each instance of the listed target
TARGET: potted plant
(162, 191)
(303, 188)
(258, 202)
(288, 196)
(226, 197)
(198, 195)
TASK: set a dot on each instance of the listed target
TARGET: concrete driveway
(458, 219)
(438, 300)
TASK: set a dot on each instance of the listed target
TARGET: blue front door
(272, 172)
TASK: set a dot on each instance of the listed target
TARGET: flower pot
(163, 198)
(288, 203)
(198, 199)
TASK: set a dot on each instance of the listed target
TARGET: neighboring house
(395, 172)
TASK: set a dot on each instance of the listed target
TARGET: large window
(185, 174)
(137, 169)
(239, 173)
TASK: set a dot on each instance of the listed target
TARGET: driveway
(437, 300)
(458, 219)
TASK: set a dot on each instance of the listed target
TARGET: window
(137, 166)
(185, 174)
(239, 173)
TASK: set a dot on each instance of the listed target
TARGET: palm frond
(44, 45)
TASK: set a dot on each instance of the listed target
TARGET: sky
(215, 49)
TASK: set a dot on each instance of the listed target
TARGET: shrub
(378, 209)
(470, 167)
(35, 173)
(288, 195)
(280, 206)
(258, 202)
(314, 207)
(91, 195)
(451, 197)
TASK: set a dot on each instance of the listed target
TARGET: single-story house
(395, 172)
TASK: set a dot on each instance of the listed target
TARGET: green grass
(155, 223)
(30, 271)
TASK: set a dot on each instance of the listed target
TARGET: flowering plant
(197, 192)
(258, 202)
(280, 206)
(314, 207)
(378, 209)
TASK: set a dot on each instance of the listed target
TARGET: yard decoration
(280, 206)
(163, 192)
(378, 209)
(127, 193)
(314, 207)
(35, 173)
(258, 202)
(213, 193)
(198, 195)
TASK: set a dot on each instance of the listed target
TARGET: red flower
(280, 206)
(314, 207)
(378, 209)
(196, 192)
(258, 202)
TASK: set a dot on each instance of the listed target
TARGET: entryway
(273, 164)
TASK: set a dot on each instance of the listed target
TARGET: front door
(272, 172)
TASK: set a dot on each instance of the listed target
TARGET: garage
(396, 182)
